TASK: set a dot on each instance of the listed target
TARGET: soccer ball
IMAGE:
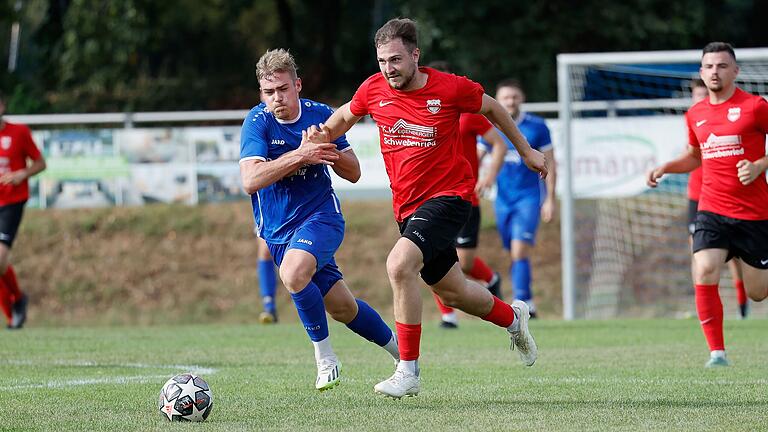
(186, 397)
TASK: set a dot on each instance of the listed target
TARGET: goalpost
(625, 246)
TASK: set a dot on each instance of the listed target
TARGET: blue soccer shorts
(518, 220)
(320, 235)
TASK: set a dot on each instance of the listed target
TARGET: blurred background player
(417, 112)
(472, 126)
(726, 135)
(699, 92)
(297, 212)
(265, 272)
(17, 150)
(519, 191)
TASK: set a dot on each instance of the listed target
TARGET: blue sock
(521, 279)
(309, 304)
(267, 284)
(368, 324)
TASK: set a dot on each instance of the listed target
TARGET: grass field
(591, 375)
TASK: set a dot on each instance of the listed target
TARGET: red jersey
(470, 126)
(694, 185)
(727, 133)
(419, 136)
(16, 146)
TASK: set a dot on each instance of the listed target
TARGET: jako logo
(305, 241)
(312, 328)
(421, 237)
(278, 142)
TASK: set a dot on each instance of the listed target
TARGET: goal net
(625, 246)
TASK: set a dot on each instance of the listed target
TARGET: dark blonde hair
(278, 60)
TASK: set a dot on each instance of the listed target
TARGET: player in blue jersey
(297, 211)
(519, 197)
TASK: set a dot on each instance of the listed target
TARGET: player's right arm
(687, 162)
(341, 121)
(258, 172)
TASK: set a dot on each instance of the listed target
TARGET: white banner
(611, 156)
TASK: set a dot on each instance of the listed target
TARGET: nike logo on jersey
(700, 122)
(418, 218)
(385, 103)
(763, 262)
(462, 240)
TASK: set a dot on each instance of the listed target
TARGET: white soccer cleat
(522, 339)
(328, 373)
(400, 384)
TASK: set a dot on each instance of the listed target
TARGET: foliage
(116, 55)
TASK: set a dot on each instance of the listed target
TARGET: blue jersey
(280, 208)
(515, 180)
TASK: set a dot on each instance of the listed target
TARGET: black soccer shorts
(433, 227)
(745, 239)
(10, 219)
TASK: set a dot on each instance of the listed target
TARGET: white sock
(515, 324)
(717, 353)
(451, 318)
(409, 366)
(323, 349)
(391, 348)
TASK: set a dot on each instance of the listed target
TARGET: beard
(406, 80)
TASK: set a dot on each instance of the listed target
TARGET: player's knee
(295, 278)
(707, 271)
(398, 268)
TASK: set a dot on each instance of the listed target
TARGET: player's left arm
(498, 151)
(34, 168)
(533, 159)
(550, 203)
(747, 170)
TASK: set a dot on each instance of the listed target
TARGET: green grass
(593, 375)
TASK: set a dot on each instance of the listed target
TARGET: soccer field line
(645, 381)
(136, 379)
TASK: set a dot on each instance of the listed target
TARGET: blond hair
(277, 60)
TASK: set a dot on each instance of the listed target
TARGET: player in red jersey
(417, 112)
(470, 127)
(727, 138)
(699, 92)
(16, 148)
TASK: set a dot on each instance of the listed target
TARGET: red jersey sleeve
(469, 95)
(761, 114)
(692, 140)
(30, 149)
(359, 103)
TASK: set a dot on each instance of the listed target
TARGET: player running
(297, 211)
(727, 138)
(699, 92)
(519, 203)
(417, 112)
(472, 126)
(17, 149)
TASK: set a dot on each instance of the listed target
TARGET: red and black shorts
(10, 219)
(433, 228)
(745, 239)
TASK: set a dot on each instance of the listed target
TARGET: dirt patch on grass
(165, 264)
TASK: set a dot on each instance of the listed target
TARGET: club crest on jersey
(5, 142)
(734, 114)
(433, 105)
